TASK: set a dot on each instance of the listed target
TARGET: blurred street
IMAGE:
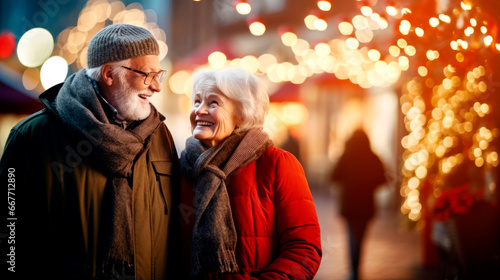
(390, 252)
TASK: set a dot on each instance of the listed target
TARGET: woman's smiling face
(213, 116)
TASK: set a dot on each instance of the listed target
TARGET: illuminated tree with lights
(449, 104)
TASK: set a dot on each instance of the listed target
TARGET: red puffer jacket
(275, 219)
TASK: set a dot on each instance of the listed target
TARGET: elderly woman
(247, 212)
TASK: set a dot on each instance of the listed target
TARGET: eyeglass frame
(156, 74)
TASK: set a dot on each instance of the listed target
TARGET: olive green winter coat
(58, 201)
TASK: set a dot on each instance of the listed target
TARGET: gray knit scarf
(214, 234)
(113, 152)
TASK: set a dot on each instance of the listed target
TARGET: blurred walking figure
(359, 172)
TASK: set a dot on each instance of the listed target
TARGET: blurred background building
(418, 76)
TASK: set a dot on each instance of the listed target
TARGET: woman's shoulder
(274, 154)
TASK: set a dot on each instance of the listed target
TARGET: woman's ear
(107, 74)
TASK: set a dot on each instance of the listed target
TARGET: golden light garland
(436, 134)
(454, 127)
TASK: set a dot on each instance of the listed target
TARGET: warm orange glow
(217, 60)
(445, 18)
(405, 27)
(289, 38)
(422, 71)
(324, 5)
(466, 6)
(374, 55)
(468, 31)
(257, 28)
(434, 21)
(402, 43)
(346, 28)
(366, 11)
(419, 31)
(309, 21)
(242, 7)
(488, 40)
(180, 83)
(394, 51)
(391, 10)
(322, 49)
(320, 24)
(352, 43)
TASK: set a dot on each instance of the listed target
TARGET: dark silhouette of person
(359, 172)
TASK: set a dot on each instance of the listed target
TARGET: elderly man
(93, 177)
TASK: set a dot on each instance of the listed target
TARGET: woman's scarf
(113, 152)
(214, 234)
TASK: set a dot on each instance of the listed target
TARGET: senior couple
(100, 192)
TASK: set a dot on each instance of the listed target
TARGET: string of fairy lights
(455, 126)
(342, 57)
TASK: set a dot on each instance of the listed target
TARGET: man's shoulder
(39, 119)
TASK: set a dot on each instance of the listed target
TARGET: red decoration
(7, 44)
(455, 201)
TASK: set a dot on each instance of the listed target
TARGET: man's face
(129, 96)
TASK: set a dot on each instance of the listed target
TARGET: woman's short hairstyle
(245, 89)
(96, 75)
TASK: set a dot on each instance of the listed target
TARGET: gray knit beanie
(118, 42)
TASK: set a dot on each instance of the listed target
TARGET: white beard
(128, 105)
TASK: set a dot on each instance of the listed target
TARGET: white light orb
(34, 47)
(53, 71)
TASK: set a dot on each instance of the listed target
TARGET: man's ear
(107, 74)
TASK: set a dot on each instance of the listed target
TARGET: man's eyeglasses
(149, 76)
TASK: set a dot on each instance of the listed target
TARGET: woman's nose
(201, 110)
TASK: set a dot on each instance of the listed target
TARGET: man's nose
(155, 84)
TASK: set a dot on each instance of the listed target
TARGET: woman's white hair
(95, 73)
(245, 89)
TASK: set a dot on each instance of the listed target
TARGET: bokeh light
(53, 72)
(257, 28)
(180, 83)
(7, 44)
(34, 47)
(217, 60)
(31, 78)
(243, 7)
(324, 5)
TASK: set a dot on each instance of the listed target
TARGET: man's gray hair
(95, 73)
